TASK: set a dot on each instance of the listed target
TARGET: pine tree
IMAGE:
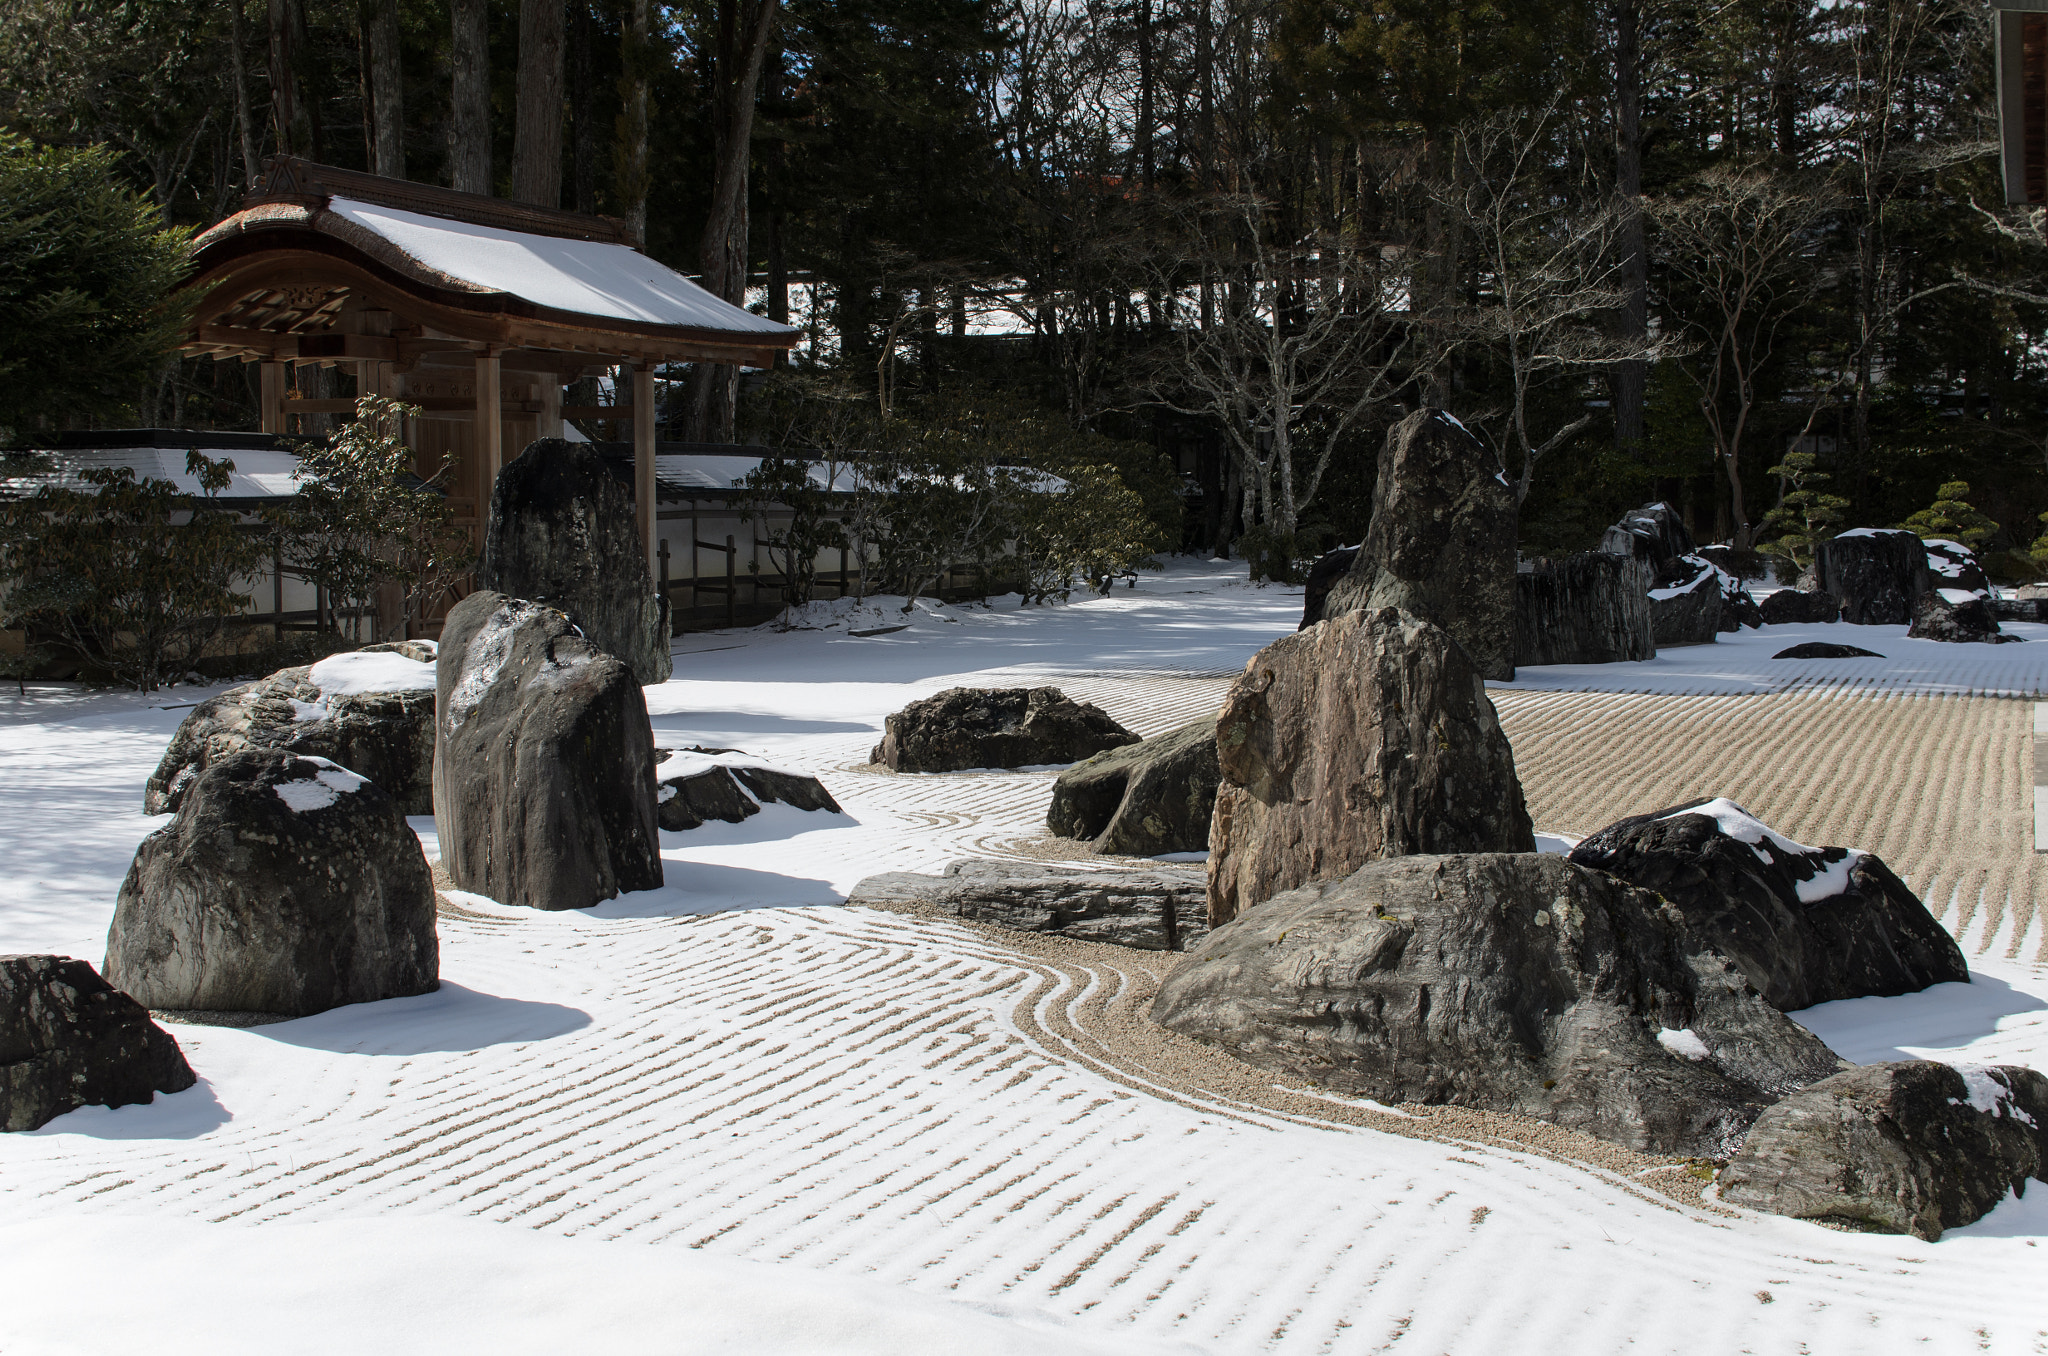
(1806, 516)
(1951, 518)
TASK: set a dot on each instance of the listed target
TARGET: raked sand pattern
(982, 1117)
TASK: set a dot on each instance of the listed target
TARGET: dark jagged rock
(1656, 535)
(386, 735)
(970, 727)
(69, 1039)
(284, 884)
(1686, 610)
(1910, 1147)
(730, 791)
(1821, 649)
(1967, 622)
(544, 771)
(1156, 910)
(1797, 606)
(1509, 982)
(1591, 608)
(1142, 799)
(1739, 609)
(1807, 925)
(1442, 541)
(1952, 565)
(1874, 573)
(561, 533)
(1368, 736)
(1741, 566)
(1322, 577)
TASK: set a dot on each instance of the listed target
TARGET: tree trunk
(284, 85)
(583, 110)
(537, 128)
(1628, 381)
(469, 123)
(387, 90)
(238, 38)
(635, 58)
(722, 250)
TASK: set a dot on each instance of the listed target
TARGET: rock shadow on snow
(173, 1115)
(695, 888)
(451, 1020)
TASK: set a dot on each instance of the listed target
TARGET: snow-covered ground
(729, 1115)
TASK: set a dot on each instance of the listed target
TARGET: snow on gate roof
(261, 474)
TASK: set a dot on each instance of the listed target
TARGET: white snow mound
(341, 675)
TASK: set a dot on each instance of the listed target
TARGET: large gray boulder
(1142, 799)
(561, 533)
(1442, 541)
(1807, 925)
(1156, 910)
(1367, 736)
(1687, 610)
(1507, 982)
(284, 884)
(1970, 621)
(1591, 608)
(1910, 1147)
(69, 1039)
(544, 790)
(1874, 573)
(370, 710)
(972, 727)
(1785, 606)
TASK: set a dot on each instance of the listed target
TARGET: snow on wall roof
(586, 277)
(682, 472)
(257, 474)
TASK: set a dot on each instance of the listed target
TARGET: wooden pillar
(490, 431)
(373, 378)
(272, 413)
(548, 423)
(643, 459)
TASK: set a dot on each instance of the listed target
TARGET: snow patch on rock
(320, 790)
(1683, 1042)
(1829, 878)
(1987, 1092)
(383, 671)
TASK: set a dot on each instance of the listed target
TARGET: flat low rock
(1968, 622)
(370, 710)
(1142, 799)
(974, 727)
(1515, 982)
(1909, 1147)
(1157, 910)
(544, 792)
(1807, 925)
(1799, 606)
(1367, 736)
(283, 884)
(1821, 649)
(70, 1039)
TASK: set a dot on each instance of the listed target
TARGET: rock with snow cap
(1954, 566)
(283, 884)
(1965, 620)
(1907, 1147)
(1874, 573)
(1807, 925)
(1687, 610)
(1655, 534)
(1738, 608)
(544, 790)
(696, 785)
(561, 533)
(370, 710)
(1514, 982)
(1787, 606)
(1441, 544)
(971, 727)
(69, 1039)
(1368, 736)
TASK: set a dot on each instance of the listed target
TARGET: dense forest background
(1644, 247)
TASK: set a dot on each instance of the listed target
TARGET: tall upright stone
(1591, 608)
(544, 790)
(1875, 574)
(561, 533)
(1442, 541)
(1367, 736)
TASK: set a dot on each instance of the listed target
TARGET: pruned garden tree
(136, 577)
(1806, 515)
(1091, 529)
(1741, 249)
(792, 500)
(1951, 517)
(363, 519)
